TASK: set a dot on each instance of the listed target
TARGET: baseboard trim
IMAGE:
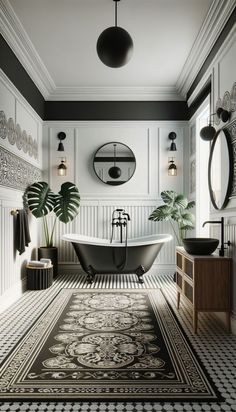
(12, 294)
(233, 323)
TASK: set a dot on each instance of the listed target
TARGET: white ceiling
(60, 39)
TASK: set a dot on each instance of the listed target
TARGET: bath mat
(105, 345)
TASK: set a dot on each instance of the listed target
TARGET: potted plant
(41, 201)
(176, 211)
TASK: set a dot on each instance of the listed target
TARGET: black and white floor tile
(215, 348)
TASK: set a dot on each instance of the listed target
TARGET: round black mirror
(114, 163)
(220, 169)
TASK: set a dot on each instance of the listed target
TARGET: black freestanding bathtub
(99, 256)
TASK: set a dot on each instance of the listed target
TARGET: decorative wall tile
(3, 125)
(232, 131)
(16, 172)
(233, 98)
(15, 136)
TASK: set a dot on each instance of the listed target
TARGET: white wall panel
(139, 141)
(15, 106)
(139, 197)
(171, 182)
(12, 265)
(226, 66)
(7, 101)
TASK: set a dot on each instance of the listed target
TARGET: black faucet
(120, 221)
(222, 249)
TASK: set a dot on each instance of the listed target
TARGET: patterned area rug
(105, 345)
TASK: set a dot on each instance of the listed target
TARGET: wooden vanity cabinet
(205, 281)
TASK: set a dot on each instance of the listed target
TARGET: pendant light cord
(116, 13)
(114, 154)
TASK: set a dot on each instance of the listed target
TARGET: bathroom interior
(154, 128)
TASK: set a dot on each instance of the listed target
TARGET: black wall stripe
(116, 110)
(106, 110)
(20, 78)
(230, 23)
(202, 95)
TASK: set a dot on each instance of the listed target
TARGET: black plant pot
(49, 253)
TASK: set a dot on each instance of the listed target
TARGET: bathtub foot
(139, 272)
(91, 274)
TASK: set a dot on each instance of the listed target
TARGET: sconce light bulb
(61, 170)
(172, 169)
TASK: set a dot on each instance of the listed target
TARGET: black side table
(39, 278)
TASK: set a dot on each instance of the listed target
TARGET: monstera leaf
(176, 208)
(190, 205)
(40, 199)
(162, 212)
(174, 199)
(187, 221)
(67, 203)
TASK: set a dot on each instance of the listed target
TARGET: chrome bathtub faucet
(119, 219)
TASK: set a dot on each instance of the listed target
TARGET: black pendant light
(114, 171)
(115, 45)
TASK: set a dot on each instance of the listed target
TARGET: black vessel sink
(200, 245)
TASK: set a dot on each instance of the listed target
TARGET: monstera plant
(175, 210)
(41, 201)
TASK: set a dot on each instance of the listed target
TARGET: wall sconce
(172, 136)
(207, 133)
(223, 114)
(62, 168)
(61, 136)
(172, 169)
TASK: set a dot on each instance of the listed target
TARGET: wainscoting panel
(12, 264)
(94, 219)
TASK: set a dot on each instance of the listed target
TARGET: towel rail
(14, 212)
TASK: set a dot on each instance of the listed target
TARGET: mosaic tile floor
(215, 348)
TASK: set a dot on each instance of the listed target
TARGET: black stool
(39, 278)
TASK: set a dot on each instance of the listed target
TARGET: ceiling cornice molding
(20, 43)
(212, 26)
(115, 93)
